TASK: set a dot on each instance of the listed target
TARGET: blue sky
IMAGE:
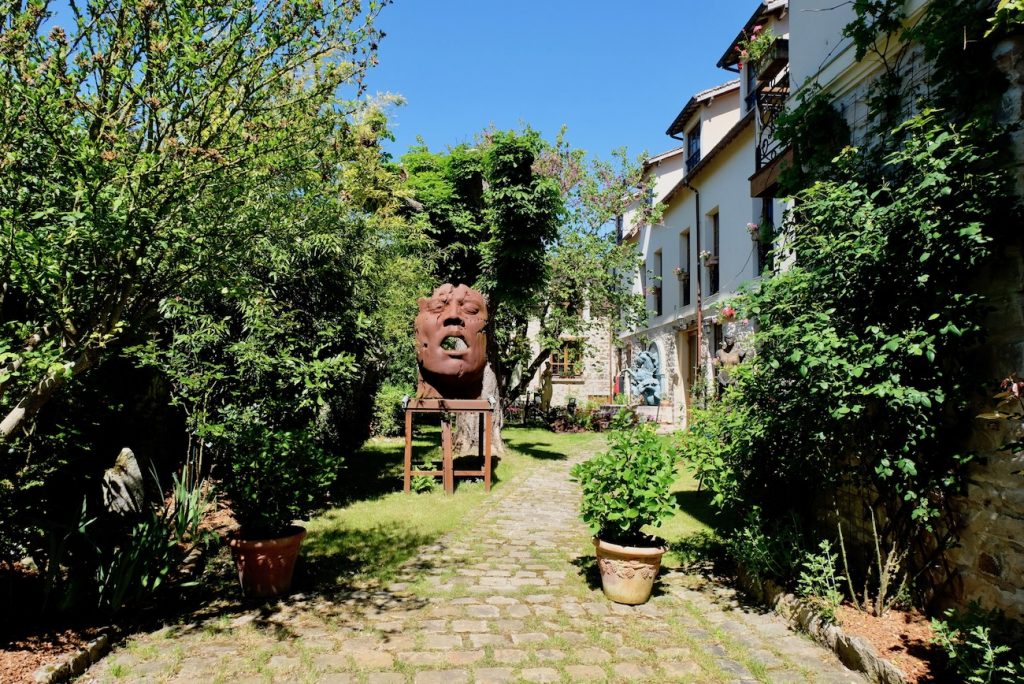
(615, 73)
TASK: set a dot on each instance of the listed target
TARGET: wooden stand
(448, 472)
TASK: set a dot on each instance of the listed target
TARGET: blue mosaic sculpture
(645, 378)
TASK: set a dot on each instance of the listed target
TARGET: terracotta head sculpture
(451, 343)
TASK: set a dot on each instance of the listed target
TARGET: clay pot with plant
(626, 492)
(272, 477)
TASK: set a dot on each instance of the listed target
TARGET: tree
(137, 150)
(525, 220)
(185, 188)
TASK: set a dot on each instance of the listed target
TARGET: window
(693, 147)
(618, 229)
(567, 360)
(713, 266)
(684, 268)
(751, 83)
(658, 309)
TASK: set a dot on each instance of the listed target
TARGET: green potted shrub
(626, 490)
(272, 477)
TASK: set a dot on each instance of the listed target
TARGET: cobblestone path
(506, 599)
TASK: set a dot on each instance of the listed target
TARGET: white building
(714, 186)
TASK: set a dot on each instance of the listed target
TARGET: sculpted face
(451, 344)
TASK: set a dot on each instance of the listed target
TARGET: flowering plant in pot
(627, 490)
(272, 476)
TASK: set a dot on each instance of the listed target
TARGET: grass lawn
(377, 527)
(696, 521)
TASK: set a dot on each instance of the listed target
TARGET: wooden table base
(448, 472)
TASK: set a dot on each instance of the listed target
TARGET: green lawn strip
(370, 539)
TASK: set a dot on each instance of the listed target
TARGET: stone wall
(595, 380)
(988, 563)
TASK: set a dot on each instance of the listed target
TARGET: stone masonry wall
(595, 380)
(988, 563)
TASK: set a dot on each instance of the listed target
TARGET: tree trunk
(467, 425)
(34, 400)
(527, 376)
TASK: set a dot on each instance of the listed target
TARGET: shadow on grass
(334, 557)
(341, 575)
(699, 506)
(537, 450)
(377, 468)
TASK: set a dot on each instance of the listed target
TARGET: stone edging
(853, 651)
(74, 664)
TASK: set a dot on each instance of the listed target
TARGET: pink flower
(728, 311)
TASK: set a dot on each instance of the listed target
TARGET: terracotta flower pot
(265, 566)
(628, 572)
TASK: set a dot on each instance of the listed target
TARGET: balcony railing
(771, 101)
(692, 161)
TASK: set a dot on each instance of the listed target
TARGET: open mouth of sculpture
(454, 345)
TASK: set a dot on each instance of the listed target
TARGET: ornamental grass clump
(627, 488)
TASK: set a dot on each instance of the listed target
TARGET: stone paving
(506, 599)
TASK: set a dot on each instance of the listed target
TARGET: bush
(820, 581)
(766, 550)
(983, 646)
(627, 487)
(274, 476)
(156, 547)
(388, 415)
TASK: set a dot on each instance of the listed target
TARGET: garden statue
(727, 358)
(451, 343)
(645, 378)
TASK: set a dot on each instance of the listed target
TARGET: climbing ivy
(861, 373)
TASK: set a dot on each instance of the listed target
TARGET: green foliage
(983, 646)
(706, 447)
(820, 580)
(845, 386)
(755, 46)
(524, 220)
(197, 193)
(388, 415)
(766, 549)
(273, 476)
(627, 487)
(861, 376)
(1009, 15)
(816, 133)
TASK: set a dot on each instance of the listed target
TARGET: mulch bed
(26, 641)
(901, 637)
(30, 639)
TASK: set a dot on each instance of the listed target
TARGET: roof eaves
(679, 123)
(726, 140)
(662, 156)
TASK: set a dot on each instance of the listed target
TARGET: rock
(123, 490)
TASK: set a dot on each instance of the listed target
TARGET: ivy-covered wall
(989, 563)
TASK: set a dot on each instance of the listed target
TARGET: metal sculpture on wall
(451, 343)
(645, 378)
